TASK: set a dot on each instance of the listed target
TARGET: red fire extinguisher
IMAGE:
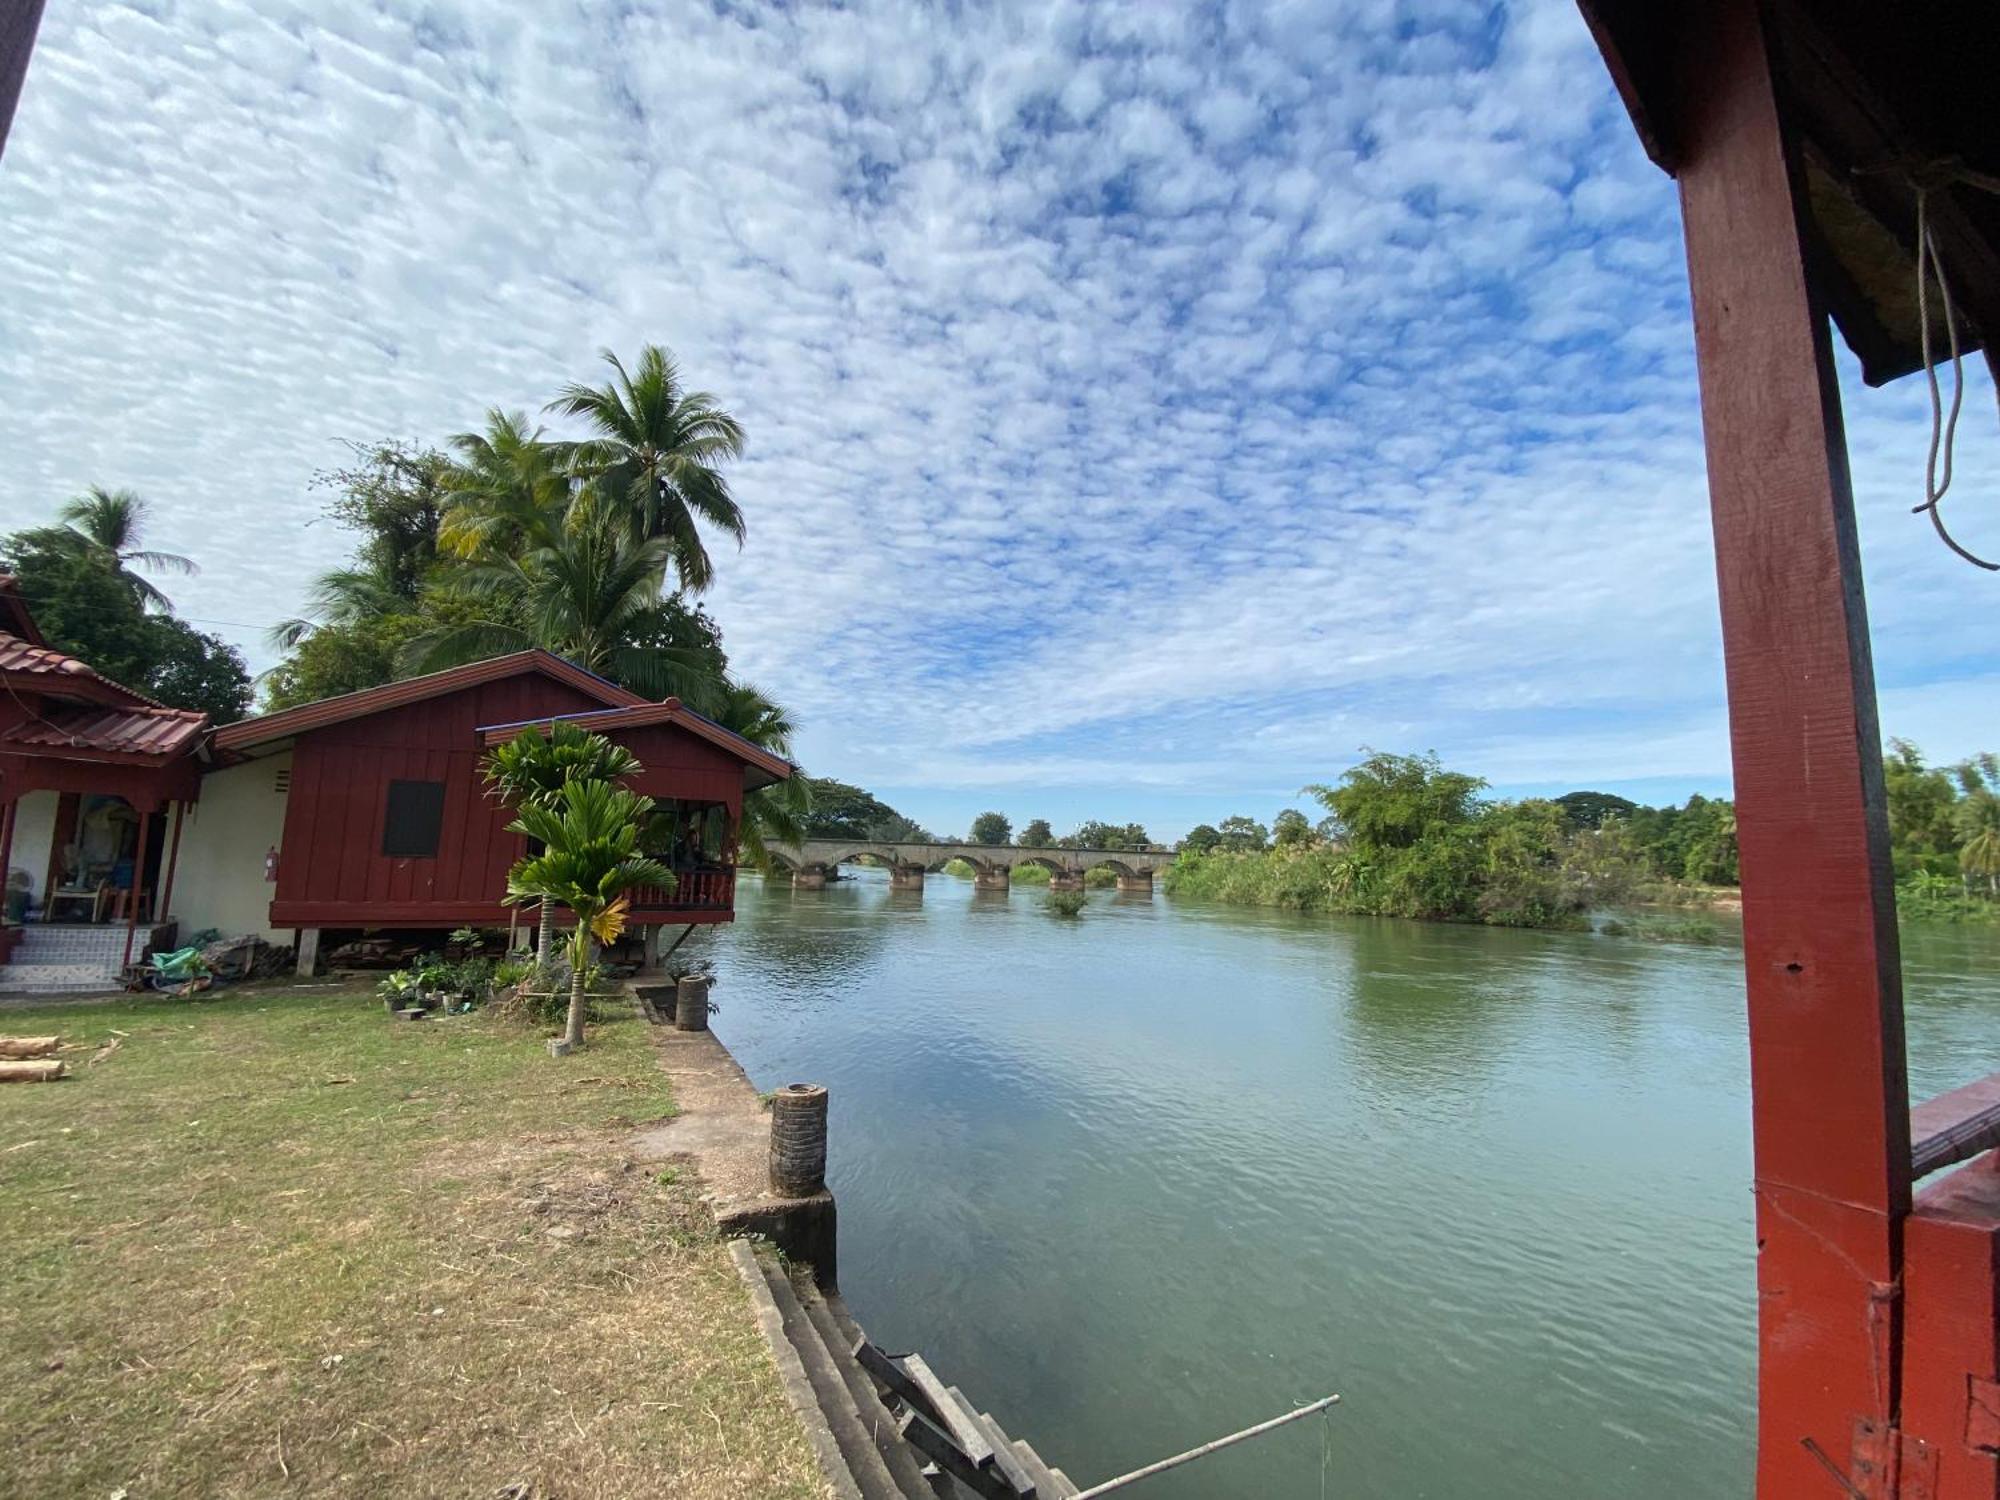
(271, 863)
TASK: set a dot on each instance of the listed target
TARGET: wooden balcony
(694, 890)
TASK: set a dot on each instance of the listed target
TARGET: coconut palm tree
(343, 596)
(583, 588)
(534, 767)
(590, 862)
(509, 488)
(109, 523)
(657, 451)
(774, 813)
(1978, 818)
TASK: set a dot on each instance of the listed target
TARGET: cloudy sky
(1149, 404)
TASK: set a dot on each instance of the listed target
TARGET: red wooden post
(179, 814)
(138, 882)
(1819, 936)
(1951, 1337)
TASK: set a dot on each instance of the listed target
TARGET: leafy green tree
(590, 862)
(658, 452)
(1243, 835)
(1922, 799)
(1590, 809)
(87, 610)
(509, 489)
(1291, 829)
(532, 769)
(194, 669)
(1524, 882)
(1096, 834)
(841, 811)
(771, 814)
(1201, 839)
(82, 607)
(1036, 834)
(583, 589)
(394, 495)
(991, 828)
(1711, 857)
(1392, 801)
(109, 523)
(1976, 819)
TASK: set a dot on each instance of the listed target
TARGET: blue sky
(1149, 405)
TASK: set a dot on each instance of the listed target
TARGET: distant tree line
(843, 811)
(1404, 836)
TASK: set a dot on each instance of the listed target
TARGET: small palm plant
(590, 862)
(532, 769)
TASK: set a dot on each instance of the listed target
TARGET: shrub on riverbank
(1416, 841)
(1933, 898)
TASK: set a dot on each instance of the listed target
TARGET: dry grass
(278, 1244)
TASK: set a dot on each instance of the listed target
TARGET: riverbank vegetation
(274, 1242)
(1944, 835)
(1404, 836)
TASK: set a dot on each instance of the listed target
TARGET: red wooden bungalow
(87, 768)
(1811, 139)
(387, 822)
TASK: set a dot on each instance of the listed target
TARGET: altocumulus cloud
(1149, 404)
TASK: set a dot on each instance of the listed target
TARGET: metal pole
(686, 933)
(1204, 1450)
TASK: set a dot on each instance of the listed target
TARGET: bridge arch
(875, 853)
(1122, 866)
(1044, 862)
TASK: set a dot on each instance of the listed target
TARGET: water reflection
(1140, 1178)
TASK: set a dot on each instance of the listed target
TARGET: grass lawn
(277, 1243)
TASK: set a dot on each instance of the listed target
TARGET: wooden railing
(694, 890)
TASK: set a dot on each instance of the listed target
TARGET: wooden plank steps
(883, 1427)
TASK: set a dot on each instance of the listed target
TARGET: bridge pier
(808, 880)
(906, 877)
(1066, 880)
(1000, 880)
(1138, 884)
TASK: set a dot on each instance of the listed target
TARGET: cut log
(28, 1046)
(41, 1070)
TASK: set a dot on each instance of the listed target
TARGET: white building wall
(220, 880)
(34, 831)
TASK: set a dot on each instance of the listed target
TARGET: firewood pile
(30, 1059)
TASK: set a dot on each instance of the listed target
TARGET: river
(1141, 1178)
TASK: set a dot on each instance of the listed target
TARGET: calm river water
(1142, 1178)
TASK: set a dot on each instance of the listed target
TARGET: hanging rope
(1944, 424)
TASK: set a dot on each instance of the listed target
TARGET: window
(413, 820)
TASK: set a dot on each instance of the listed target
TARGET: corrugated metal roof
(325, 711)
(156, 733)
(18, 655)
(666, 711)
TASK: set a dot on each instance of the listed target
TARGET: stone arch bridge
(813, 862)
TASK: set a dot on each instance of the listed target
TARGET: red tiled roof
(70, 675)
(150, 732)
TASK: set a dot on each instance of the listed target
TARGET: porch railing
(694, 890)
